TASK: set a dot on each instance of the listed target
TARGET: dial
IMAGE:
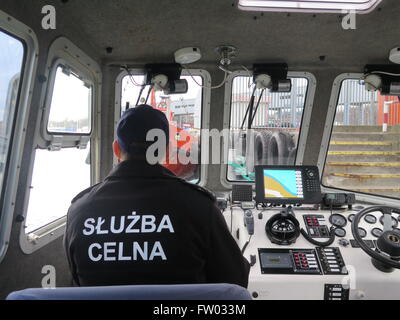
(339, 232)
(395, 223)
(311, 174)
(377, 232)
(351, 217)
(362, 232)
(370, 219)
(338, 220)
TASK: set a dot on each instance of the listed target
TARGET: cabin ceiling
(151, 31)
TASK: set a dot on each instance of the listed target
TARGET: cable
(131, 77)
(246, 245)
(318, 243)
(206, 87)
(225, 70)
(386, 73)
(231, 218)
(249, 75)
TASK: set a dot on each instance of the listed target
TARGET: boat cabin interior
(288, 112)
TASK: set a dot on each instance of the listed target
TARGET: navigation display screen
(284, 184)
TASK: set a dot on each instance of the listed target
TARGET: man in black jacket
(144, 225)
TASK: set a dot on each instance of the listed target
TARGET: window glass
(276, 127)
(364, 150)
(11, 65)
(184, 112)
(58, 176)
(71, 104)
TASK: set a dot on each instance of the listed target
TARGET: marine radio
(284, 185)
(338, 200)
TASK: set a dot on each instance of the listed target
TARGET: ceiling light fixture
(333, 6)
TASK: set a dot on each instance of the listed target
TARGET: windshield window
(184, 112)
(364, 150)
(277, 122)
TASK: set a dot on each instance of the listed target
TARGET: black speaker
(242, 193)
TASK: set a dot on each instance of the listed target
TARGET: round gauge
(339, 232)
(369, 218)
(338, 220)
(395, 223)
(377, 232)
(351, 217)
(362, 232)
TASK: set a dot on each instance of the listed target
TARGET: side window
(364, 149)
(71, 104)
(12, 53)
(62, 170)
(277, 123)
(184, 113)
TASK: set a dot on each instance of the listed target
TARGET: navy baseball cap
(136, 123)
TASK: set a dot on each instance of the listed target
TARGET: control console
(334, 251)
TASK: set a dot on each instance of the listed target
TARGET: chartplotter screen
(284, 184)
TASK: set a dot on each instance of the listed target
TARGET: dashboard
(310, 252)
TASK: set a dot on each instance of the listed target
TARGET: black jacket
(143, 225)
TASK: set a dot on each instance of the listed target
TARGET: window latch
(56, 143)
(83, 143)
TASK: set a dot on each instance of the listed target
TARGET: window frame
(62, 63)
(326, 138)
(67, 139)
(22, 32)
(62, 50)
(305, 123)
(205, 112)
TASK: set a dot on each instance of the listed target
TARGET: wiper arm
(250, 108)
(258, 105)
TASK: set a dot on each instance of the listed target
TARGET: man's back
(145, 226)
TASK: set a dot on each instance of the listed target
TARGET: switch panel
(336, 292)
(316, 226)
(331, 260)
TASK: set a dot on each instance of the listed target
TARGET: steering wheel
(387, 254)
